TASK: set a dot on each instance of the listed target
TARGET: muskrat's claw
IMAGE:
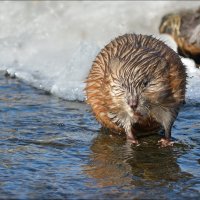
(165, 142)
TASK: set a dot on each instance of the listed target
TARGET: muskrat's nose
(133, 103)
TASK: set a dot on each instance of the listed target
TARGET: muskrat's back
(136, 82)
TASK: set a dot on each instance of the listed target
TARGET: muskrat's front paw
(165, 142)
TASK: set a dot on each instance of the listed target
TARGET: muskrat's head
(140, 85)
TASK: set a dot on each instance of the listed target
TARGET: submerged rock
(184, 27)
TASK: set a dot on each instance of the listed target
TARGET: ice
(51, 44)
(193, 80)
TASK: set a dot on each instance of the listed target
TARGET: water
(52, 148)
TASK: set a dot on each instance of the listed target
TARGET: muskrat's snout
(133, 102)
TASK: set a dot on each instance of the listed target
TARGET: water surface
(52, 148)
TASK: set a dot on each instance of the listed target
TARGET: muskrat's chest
(119, 115)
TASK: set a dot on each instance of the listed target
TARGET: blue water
(54, 149)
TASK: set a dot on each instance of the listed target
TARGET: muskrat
(137, 83)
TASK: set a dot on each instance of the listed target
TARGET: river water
(52, 148)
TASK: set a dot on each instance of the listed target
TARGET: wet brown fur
(98, 83)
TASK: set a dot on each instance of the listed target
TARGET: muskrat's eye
(145, 82)
(123, 85)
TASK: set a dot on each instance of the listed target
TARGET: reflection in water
(113, 162)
